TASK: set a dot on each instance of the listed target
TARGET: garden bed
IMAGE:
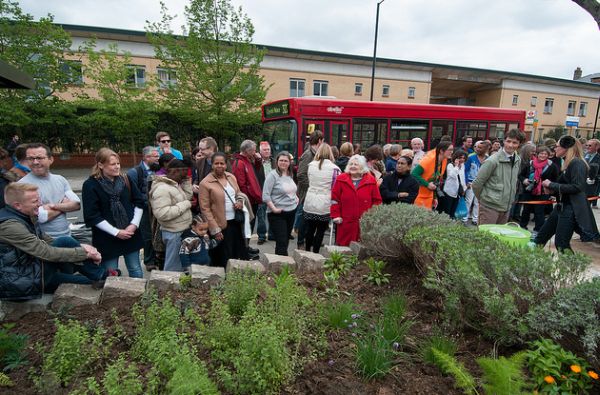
(334, 372)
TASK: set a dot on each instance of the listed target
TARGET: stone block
(164, 281)
(308, 261)
(75, 295)
(206, 275)
(275, 263)
(340, 249)
(360, 250)
(123, 287)
(236, 264)
(12, 311)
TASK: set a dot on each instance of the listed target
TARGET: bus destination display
(275, 110)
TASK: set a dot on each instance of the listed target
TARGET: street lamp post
(375, 50)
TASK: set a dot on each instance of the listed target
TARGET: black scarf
(114, 189)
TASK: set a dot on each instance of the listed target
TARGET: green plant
(395, 306)
(376, 275)
(191, 378)
(572, 317)
(340, 263)
(12, 346)
(339, 315)
(374, 355)
(487, 286)
(558, 371)
(5, 381)
(240, 288)
(503, 376)
(438, 342)
(394, 330)
(122, 377)
(185, 280)
(73, 352)
(448, 364)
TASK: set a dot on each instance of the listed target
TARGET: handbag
(461, 190)
(238, 214)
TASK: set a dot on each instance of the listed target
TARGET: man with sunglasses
(163, 140)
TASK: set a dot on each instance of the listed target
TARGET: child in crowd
(195, 243)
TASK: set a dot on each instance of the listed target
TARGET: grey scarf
(114, 189)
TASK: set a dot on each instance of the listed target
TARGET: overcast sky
(541, 37)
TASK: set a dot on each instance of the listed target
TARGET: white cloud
(541, 37)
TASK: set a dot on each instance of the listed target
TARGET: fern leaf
(503, 376)
(449, 365)
(5, 381)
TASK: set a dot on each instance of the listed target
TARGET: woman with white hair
(417, 146)
(354, 192)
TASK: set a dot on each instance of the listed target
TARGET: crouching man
(29, 259)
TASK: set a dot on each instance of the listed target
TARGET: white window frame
(318, 86)
(583, 109)
(358, 89)
(411, 92)
(296, 91)
(385, 91)
(171, 77)
(137, 81)
(515, 100)
(548, 105)
(533, 101)
(571, 107)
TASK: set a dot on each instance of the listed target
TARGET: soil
(334, 373)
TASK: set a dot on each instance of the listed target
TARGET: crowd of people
(203, 209)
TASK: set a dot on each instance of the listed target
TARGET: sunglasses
(165, 141)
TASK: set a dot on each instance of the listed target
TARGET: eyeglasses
(34, 158)
(165, 141)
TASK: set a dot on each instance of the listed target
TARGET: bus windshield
(282, 135)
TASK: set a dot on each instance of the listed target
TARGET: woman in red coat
(354, 192)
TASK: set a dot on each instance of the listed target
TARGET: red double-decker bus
(287, 123)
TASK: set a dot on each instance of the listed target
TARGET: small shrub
(394, 306)
(572, 318)
(376, 275)
(448, 364)
(556, 370)
(191, 378)
(240, 288)
(394, 330)
(73, 352)
(122, 377)
(383, 228)
(12, 346)
(185, 280)
(503, 376)
(340, 263)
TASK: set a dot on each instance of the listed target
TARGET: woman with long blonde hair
(113, 208)
(572, 211)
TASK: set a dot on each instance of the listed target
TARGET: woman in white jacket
(322, 173)
(454, 186)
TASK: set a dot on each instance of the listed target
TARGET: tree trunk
(591, 6)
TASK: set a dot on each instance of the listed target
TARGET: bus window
(440, 128)
(497, 129)
(282, 136)
(475, 129)
(368, 132)
(339, 133)
(403, 130)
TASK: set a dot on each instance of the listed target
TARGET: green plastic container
(510, 233)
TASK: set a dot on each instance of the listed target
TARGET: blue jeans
(172, 242)
(89, 270)
(261, 227)
(132, 261)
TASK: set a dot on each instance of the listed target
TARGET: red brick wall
(87, 160)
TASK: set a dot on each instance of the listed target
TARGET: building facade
(288, 72)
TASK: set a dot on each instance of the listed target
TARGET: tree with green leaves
(215, 63)
(37, 48)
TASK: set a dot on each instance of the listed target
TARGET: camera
(531, 186)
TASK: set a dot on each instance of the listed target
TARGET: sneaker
(291, 237)
(99, 284)
(114, 273)
(253, 251)
(149, 268)
(300, 246)
(474, 223)
(261, 241)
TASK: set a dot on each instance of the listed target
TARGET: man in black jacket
(400, 186)
(592, 157)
